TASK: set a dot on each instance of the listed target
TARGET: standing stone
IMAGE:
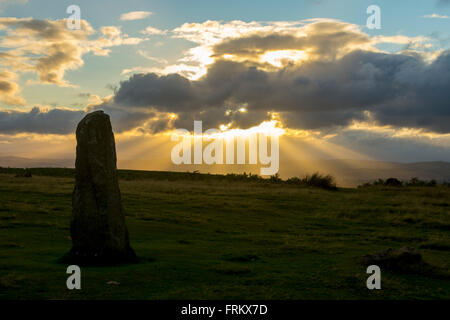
(98, 229)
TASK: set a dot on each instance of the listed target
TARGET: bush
(320, 181)
(415, 182)
(432, 183)
(365, 185)
(379, 182)
(294, 180)
(393, 182)
(275, 178)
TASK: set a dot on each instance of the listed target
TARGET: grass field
(212, 237)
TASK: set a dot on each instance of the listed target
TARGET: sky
(312, 67)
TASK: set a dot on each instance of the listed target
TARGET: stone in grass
(26, 174)
(405, 259)
(98, 229)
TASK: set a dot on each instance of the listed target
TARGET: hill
(348, 173)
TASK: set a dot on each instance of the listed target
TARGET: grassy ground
(219, 238)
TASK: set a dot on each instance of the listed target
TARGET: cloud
(55, 121)
(9, 89)
(318, 75)
(269, 43)
(172, 92)
(154, 31)
(400, 39)
(323, 40)
(135, 15)
(155, 59)
(435, 16)
(112, 37)
(334, 85)
(212, 35)
(392, 144)
(64, 121)
(315, 75)
(45, 47)
(184, 70)
(443, 3)
(49, 49)
(125, 119)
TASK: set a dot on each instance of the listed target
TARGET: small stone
(404, 259)
(27, 173)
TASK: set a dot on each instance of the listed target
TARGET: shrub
(365, 185)
(415, 182)
(393, 182)
(379, 182)
(431, 183)
(275, 178)
(294, 180)
(321, 181)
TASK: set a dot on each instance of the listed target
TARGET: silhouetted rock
(98, 229)
(26, 174)
(393, 182)
(404, 259)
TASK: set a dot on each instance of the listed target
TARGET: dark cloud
(124, 119)
(379, 145)
(397, 89)
(172, 92)
(443, 3)
(64, 121)
(323, 40)
(55, 121)
(334, 86)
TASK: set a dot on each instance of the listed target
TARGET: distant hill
(348, 173)
(355, 172)
(19, 162)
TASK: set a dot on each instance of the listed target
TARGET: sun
(279, 58)
(269, 128)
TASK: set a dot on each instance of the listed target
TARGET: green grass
(215, 237)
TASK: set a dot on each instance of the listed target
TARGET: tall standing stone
(98, 229)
